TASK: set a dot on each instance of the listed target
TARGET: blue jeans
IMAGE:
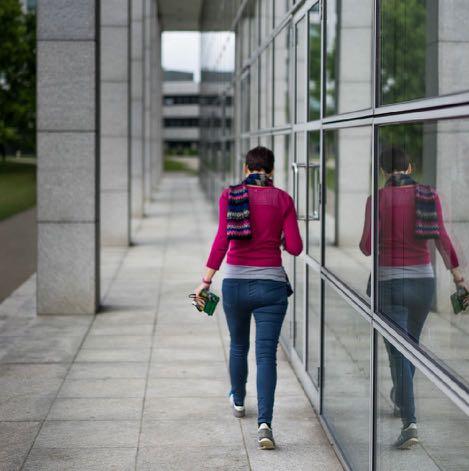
(267, 300)
(407, 302)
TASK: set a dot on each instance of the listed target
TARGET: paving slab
(207, 433)
(114, 354)
(16, 439)
(193, 458)
(108, 370)
(88, 434)
(76, 459)
(107, 387)
(96, 409)
(25, 407)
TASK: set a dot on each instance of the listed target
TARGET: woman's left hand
(464, 285)
(197, 291)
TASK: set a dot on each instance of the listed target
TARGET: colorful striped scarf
(238, 225)
(426, 217)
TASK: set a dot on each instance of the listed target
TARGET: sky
(181, 51)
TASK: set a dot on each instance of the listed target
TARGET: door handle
(316, 192)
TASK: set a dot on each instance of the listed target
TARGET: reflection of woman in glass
(409, 215)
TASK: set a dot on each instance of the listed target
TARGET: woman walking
(255, 220)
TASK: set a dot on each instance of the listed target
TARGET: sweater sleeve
(220, 243)
(444, 244)
(365, 242)
(292, 238)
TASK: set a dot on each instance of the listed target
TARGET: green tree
(404, 56)
(403, 39)
(17, 77)
(314, 73)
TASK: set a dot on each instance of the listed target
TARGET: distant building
(181, 112)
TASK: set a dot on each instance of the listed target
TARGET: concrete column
(115, 123)
(137, 108)
(355, 39)
(156, 104)
(146, 97)
(68, 156)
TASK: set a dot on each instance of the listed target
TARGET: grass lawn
(173, 165)
(17, 186)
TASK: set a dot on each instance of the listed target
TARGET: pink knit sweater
(397, 243)
(272, 213)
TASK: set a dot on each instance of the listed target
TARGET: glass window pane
(266, 88)
(245, 146)
(253, 142)
(301, 186)
(253, 13)
(346, 390)
(244, 28)
(282, 162)
(266, 7)
(424, 234)
(301, 60)
(314, 73)
(314, 323)
(314, 188)
(422, 44)
(348, 189)
(299, 315)
(254, 100)
(348, 64)
(287, 331)
(300, 151)
(281, 77)
(245, 103)
(266, 141)
(435, 416)
(281, 8)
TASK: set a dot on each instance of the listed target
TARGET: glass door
(314, 218)
(299, 173)
(300, 188)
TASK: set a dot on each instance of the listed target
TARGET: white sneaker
(265, 437)
(238, 411)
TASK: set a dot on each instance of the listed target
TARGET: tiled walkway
(142, 385)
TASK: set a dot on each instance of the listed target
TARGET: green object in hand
(210, 302)
(457, 300)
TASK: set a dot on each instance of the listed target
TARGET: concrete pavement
(142, 385)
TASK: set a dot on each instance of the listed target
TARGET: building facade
(181, 112)
(332, 86)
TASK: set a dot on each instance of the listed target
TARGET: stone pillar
(354, 73)
(156, 105)
(136, 116)
(147, 9)
(68, 156)
(115, 123)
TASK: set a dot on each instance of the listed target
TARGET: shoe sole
(266, 444)
(239, 413)
(408, 444)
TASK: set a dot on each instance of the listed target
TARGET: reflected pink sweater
(272, 213)
(398, 245)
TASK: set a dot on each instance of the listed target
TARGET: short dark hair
(394, 159)
(260, 158)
